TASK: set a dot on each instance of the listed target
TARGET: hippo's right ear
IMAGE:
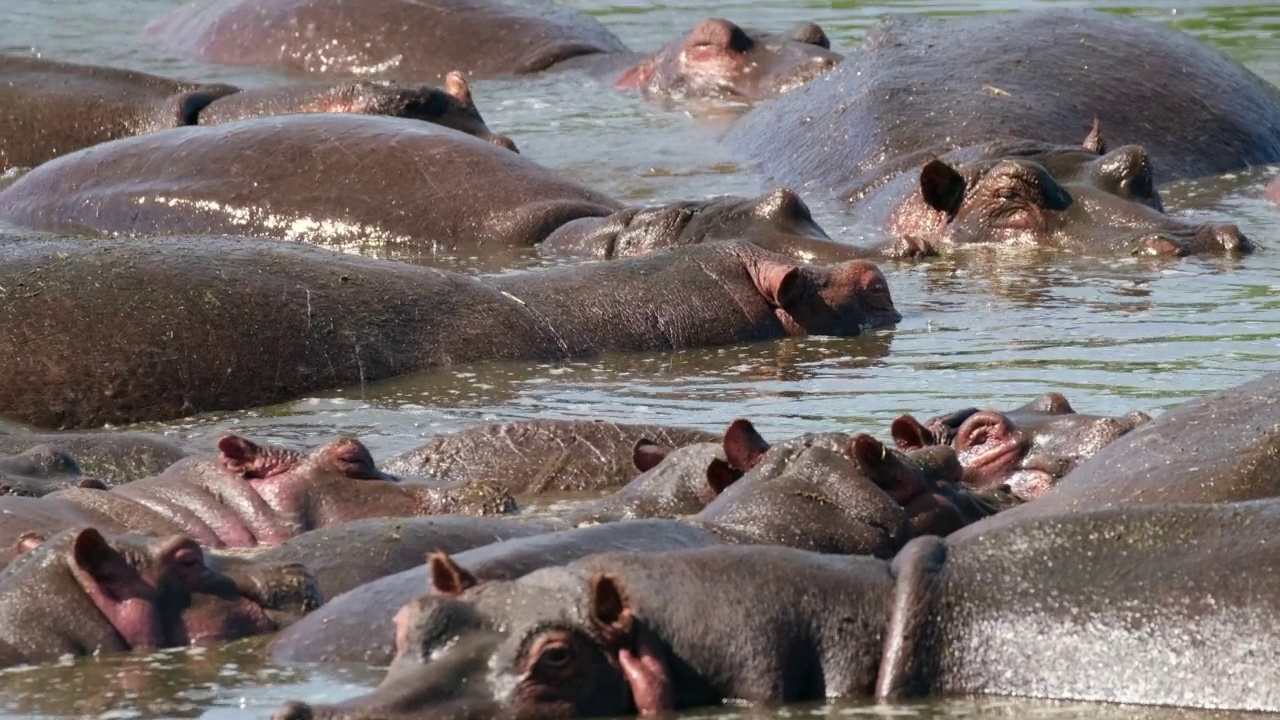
(720, 475)
(743, 446)
(610, 609)
(188, 105)
(456, 86)
(909, 434)
(647, 454)
(942, 187)
(90, 551)
(27, 542)
(447, 577)
(1094, 142)
(1051, 402)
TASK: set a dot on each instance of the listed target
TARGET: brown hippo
(49, 108)
(1224, 447)
(532, 456)
(863, 498)
(1099, 606)
(333, 320)
(986, 146)
(83, 593)
(1029, 448)
(112, 457)
(247, 495)
(416, 40)
(323, 179)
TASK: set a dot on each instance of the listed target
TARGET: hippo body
(809, 497)
(1098, 606)
(415, 40)
(81, 593)
(335, 320)
(112, 457)
(40, 470)
(531, 456)
(1006, 128)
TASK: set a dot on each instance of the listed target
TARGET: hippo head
(1029, 448)
(41, 470)
(339, 482)
(1030, 193)
(719, 59)
(450, 106)
(156, 592)
(779, 220)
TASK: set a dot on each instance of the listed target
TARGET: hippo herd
(185, 247)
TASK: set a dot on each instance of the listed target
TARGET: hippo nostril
(294, 710)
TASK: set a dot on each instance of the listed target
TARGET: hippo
(50, 108)
(532, 456)
(334, 320)
(1272, 191)
(1224, 447)
(986, 146)
(487, 39)
(1098, 606)
(40, 470)
(85, 592)
(114, 458)
(320, 178)
(865, 498)
(249, 494)
(1029, 448)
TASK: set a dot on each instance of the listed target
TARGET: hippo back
(922, 87)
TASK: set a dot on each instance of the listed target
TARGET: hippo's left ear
(448, 578)
(188, 105)
(1094, 142)
(720, 475)
(867, 450)
(909, 434)
(610, 609)
(743, 445)
(942, 187)
(783, 284)
(647, 454)
(456, 86)
(1051, 402)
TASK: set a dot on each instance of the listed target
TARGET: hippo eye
(555, 656)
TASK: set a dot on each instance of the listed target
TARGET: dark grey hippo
(1101, 606)
(970, 130)
(112, 457)
(327, 179)
(40, 470)
(489, 38)
(862, 498)
(332, 320)
(50, 108)
(1029, 448)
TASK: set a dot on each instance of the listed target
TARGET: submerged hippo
(1096, 607)
(489, 38)
(49, 108)
(247, 495)
(531, 456)
(40, 470)
(85, 593)
(863, 498)
(323, 179)
(986, 146)
(333, 320)
(112, 457)
(1029, 448)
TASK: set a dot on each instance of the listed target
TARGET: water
(982, 327)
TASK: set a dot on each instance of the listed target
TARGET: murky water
(981, 327)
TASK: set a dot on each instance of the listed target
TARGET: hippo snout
(1228, 235)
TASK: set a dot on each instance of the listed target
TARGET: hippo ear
(743, 446)
(868, 451)
(90, 551)
(92, 484)
(27, 542)
(909, 434)
(942, 187)
(720, 475)
(1137, 417)
(610, 609)
(447, 577)
(188, 105)
(456, 86)
(1053, 402)
(784, 285)
(810, 33)
(647, 454)
(1094, 142)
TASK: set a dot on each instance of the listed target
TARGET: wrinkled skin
(849, 500)
(987, 145)
(49, 108)
(334, 320)
(346, 556)
(248, 495)
(621, 633)
(114, 458)
(487, 39)
(532, 456)
(84, 593)
(41, 470)
(1224, 447)
(1029, 448)
(778, 221)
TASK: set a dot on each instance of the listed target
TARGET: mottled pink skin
(1272, 191)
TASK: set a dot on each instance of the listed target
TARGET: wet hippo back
(920, 88)
(328, 179)
(410, 39)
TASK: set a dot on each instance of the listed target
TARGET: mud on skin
(621, 633)
(491, 38)
(1029, 449)
(334, 320)
(50, 108)
(247, 495)
(81, 592)
(1007, 164)
(855, 496)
